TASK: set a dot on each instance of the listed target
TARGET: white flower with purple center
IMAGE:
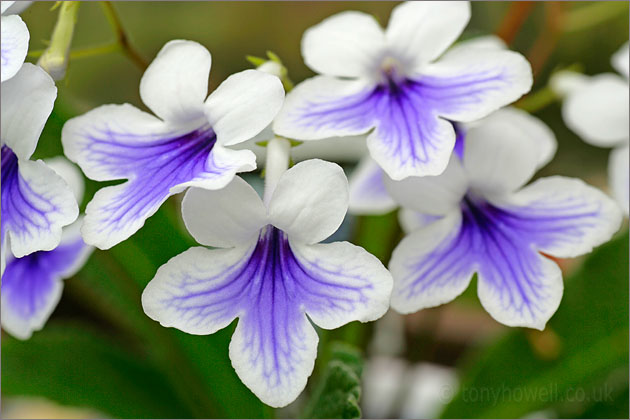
(597, 109)
(271, 272)
(185, 145)
(488, 224)
(36, 202)
(32, 285)
(400, 84)
(13, 41)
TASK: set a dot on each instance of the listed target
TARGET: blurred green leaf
(74, 366)
(339, 390)
(568, 364)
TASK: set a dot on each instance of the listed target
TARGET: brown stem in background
(121, 36)
(546, 42)
(513, 21)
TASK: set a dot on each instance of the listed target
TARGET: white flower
(13, 41)
(36, 202)
(400, 83)
(486, 222)
(597, 109)
(184, 146)
(271, 273)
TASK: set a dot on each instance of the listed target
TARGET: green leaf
(570, 367)
(338, 393)
(74, 366)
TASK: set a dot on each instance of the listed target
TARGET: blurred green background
(99, 352)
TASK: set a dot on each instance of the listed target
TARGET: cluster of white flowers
(441, 142)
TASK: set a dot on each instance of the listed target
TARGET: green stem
(537, 100)
(55, 58)
(121, 36)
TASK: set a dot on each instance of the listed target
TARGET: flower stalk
(55, 58)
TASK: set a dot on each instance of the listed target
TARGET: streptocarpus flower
(184, 146)
(400, 83)
(36, 202)
(32, 285)
(596, 108)
(13, 42)
(491, 226)
(271, 273)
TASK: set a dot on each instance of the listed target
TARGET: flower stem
(548, 38)
(55, 58)
(277, 163)
(514, 19)
(121, 36)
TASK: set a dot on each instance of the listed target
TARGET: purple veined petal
(269, 285)
(159, 160)
(32, 285)
(15, 37)
(36, 204)
(618, 173)
(368, 194)
(460, 138)
(411, 220)
(563, 217)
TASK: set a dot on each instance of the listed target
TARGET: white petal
(243, 105)
(621, 60)
(15, 7)
(537, 132)
(419, 31)
(435, 195)
(276, 367)
(27, 101)
(472, 82)
(4, 5)
(618, 175)
(35, 208)
(499, 156)
(528, 300)
(430, 267)
(599, 111)
(224, 218)
(14, 46)
(564, 216)
(196, 291)
(70, 173)
(176, 83)
(310, 201)
(490, 42)
(368, 194)
(347, 284)
(411, 220)
(565, 82)
(347, 44)
(323, 107)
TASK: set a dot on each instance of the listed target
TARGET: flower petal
(158, 159)
(599, 111)
(437, 195)
(323, 106)
(70, 173)
(27, 101)
(621, 60)
(348, 44)
(411, 220)
(341, 282)
(36, 204)
(224, 218)
(563, 217)
(470, 83)
(4, 5)
(31, 285)
(368, 194)
(432, 265)
(310, 201)
(175, 84)
(15, 37)
(199, 291)
(243, 105)
(618, 170)
(500, 156)
(419, 31)
(520, 288)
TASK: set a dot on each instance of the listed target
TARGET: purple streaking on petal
(31, 285)
(23, 210)
(153, 167)
(460, 137)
